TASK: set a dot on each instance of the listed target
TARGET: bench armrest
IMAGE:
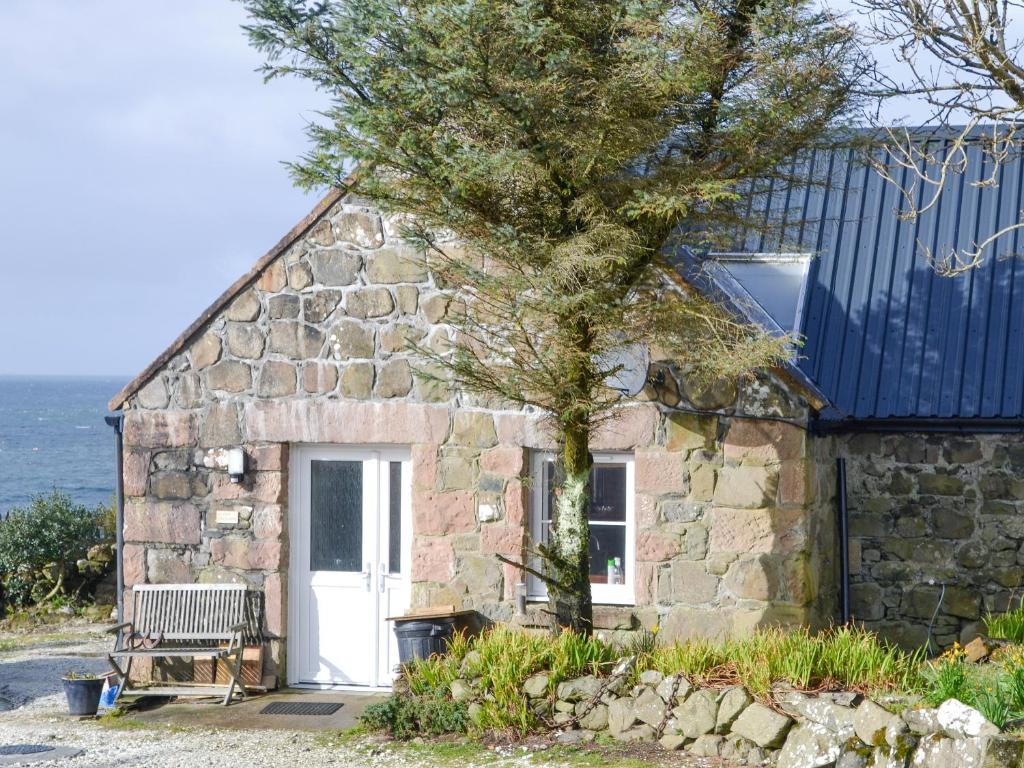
(118, 628)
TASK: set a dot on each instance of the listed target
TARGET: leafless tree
(962, 59)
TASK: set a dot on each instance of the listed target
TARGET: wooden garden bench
(183, 621)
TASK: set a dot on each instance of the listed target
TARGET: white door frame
(392, 592)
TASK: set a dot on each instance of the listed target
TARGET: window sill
(609, 601)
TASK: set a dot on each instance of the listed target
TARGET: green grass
(1006, 626)
(501, 659)
(118, 720)
(595, 756)
(996, 689)
(36, 640)
(843, 658)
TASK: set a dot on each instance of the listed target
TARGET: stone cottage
(367, 491)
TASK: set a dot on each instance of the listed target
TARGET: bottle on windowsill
(615, 570)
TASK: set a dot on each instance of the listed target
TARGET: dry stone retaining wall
(730, 516)
(797, 731)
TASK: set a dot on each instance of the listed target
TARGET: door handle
(383, 573)
(366, 576)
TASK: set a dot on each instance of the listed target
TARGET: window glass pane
(607, 554)
(607, 516)
(395, 517)
(607, 489)
(608, 492)
(775, 285)
(336, 516)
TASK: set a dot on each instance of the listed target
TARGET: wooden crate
(216, 670)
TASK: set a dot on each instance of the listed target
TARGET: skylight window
(774, 280)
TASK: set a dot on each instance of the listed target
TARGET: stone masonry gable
(731, 515)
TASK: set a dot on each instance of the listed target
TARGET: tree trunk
(569, 598)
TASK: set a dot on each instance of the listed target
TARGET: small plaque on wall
(227, 517)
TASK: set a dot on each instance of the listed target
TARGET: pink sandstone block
(438, 513)
(267, 521)
(515, 503)
(424, 465)
(273, 606)
(527, 431)
(780, 531)
(631, 427)
(643, 589)
(162, 522)
(134, 559)
(136, 472)
(504, 460)
(273, 458)
(160, 429)
(501, 540)
(652, 546)
(767, 441)
(660, 472)
(432, 560)
(267, 487)
(793, 482)
(245, 554)
(345, 422)
(513, 577)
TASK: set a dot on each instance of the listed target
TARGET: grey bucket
(83, 695)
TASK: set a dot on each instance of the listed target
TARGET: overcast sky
(140, 174)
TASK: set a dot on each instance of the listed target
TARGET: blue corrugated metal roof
(886, 337)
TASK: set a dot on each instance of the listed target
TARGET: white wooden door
(350, 545)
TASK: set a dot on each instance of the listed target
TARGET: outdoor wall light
(236, 465)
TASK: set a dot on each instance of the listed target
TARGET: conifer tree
(543, 153)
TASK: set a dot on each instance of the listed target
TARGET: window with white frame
(612, 525)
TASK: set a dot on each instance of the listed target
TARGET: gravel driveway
(32, 711)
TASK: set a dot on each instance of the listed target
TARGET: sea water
(52, 435)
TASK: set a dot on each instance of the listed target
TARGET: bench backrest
(188, 611)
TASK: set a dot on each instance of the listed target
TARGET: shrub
(404, 717)
(40, 544)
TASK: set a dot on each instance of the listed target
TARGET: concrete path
(247, 714)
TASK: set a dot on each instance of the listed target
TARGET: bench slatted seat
(183, 621)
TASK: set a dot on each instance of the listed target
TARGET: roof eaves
(227, 297)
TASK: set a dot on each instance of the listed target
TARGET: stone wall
(317, 350)
(797, 730)
(933, 510)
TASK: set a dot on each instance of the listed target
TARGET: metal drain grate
(24, 749)
(300, 708)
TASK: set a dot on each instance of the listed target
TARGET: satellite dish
(632, 362)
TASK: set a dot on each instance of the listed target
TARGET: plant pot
(83, 695)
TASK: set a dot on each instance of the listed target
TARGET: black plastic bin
(421, 638)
